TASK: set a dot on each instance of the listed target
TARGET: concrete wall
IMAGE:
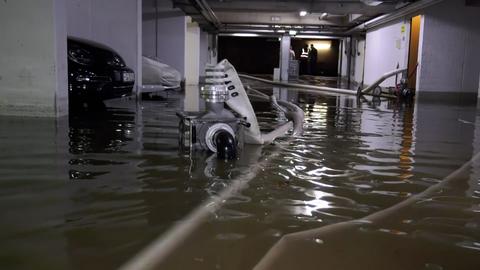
(450, 60)
(33, 65)
(111, 22)
(164, 33)
(148, 28)
(387, 46)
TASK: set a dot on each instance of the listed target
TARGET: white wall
(111, 22)
(164, 33)
(450, 61)
(33, 63)
(387, 46)
(148, 28)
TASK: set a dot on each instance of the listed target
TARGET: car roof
(89, 43)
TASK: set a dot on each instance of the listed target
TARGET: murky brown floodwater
(91, 191)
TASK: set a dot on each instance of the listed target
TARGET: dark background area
(255, 55)
(327, 60)
(260, 55)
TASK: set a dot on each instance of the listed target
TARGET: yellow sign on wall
(403, 28)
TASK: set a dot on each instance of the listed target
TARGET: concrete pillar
(192, 54)
(213, 49)
(284, 57)
(479, 86)
(115, 23)
(138, 71)
(33, 58)
(204, 52)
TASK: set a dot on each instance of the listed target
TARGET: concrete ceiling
(276, 16)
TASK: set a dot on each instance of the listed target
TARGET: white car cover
(157, 73)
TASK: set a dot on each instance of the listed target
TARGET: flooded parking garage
(128, 140)
(91, 191)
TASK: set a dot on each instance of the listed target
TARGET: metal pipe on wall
(405, 11)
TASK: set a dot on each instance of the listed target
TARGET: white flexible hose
(364, 91)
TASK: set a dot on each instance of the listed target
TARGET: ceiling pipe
(400, 13)
(208, 13)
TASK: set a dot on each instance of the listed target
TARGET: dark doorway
(326, 63)
(254, 55)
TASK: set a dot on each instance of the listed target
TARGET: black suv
(96, 72)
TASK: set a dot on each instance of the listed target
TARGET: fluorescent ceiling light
(280, 31)
(292, 32)
(303, 13)
(372, 2)
(244, 35)
(316, 37)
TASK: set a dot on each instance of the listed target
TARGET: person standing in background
(312, 60)
(292, 53)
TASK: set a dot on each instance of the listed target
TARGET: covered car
(158, 76)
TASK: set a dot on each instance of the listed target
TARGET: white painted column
(213, 49)
(33, 58)
(138, 71)
(284, 57)
(204, 52)
(192, 54)
(479, 85)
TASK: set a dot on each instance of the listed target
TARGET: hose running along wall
(365, 91)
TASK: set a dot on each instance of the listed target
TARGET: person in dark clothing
(312, 60)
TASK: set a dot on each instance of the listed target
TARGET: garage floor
(91, 191)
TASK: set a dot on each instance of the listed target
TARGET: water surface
(90, 191)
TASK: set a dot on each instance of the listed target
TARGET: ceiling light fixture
(276, 18)
(372, 2)
(316, 37)
(303, 13)
(244, 35)
(292, 32)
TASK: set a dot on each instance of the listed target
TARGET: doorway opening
(413, 51)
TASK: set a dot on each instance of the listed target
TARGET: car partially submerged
(157, 76)
(96, 72)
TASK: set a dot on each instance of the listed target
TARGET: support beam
(192, 54)
(33, 58)
(284, 57)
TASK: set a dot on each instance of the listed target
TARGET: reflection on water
(91, 191)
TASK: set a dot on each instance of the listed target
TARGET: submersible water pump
(217, 129)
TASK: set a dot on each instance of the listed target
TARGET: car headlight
(116, 61)
(80, 56)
